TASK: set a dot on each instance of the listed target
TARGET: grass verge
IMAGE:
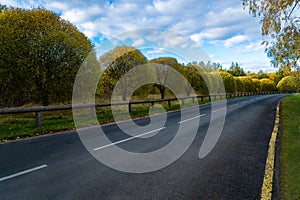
(23, 125)
(290, 148)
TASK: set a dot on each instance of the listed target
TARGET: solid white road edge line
(127, 139)
(191, 118)
(234, 105)
(218, 110)
(23, 172)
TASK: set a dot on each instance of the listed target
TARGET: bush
(288, 84)
(228, 81)
(248, 84)
(267, 85)
(257, 85)
(240, 87)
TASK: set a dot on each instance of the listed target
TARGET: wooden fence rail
(39, 109)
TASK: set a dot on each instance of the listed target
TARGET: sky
(190, 30)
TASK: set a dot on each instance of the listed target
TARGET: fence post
(209, 98)
(182, 101)
(38, 119)
(193, 99)
(93, 112)
(152, 105)
(129, 107)
(202, 98)
(169, 103)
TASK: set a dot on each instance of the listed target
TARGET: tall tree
(40, 56)
(281, 26)
(164, 74)
(195, 79)
(120, 60)
(262, 74)
(2, 7)
(236, 70)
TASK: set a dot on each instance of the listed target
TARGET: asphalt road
(59, 166)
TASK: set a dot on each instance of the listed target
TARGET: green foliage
(278, 76)
(257, 85)
(119, 61)
(195, 78)
(236, 70)
(162, 73)
(2, 7)
(248, 84)
(288, 84)
(211, 66)
(262, 74)
(228, 81)
(277, 18)
(267, 85)
(252, 75)
(240, 87)
(40, 56)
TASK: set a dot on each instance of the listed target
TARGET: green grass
(290, 148)
(23, 125)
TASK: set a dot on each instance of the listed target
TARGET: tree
(236, 70)
(163, 72)
(2, 7)
(278, 76)
(40, 56)
(240, 87)
(120, 60)
(267, 85)
(252, 75)
(210, 67)
(262, 74)
(228, 81)
(257, 85)
(248, 84)
(196, 80)
(288, 84)
(281, 26)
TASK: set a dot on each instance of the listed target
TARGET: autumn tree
(281, 26)
(40, 56)
(257, 85)
(240, 87)
(163, 72)
(248, 84)
(227, 80)
(267, 85)
(262, 74)
(196, 79)
(288, 84)
(120, 60)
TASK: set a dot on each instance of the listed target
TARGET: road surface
(59, 166)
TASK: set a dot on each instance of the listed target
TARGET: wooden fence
(39, 109)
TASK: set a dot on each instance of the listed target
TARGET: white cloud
(156, 51)
(138, 42)
(235, 40)
(229, 16)
(175, 41)
(252, 47)
(218, 24)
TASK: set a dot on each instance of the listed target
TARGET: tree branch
(293, 9)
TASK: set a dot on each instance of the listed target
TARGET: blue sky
(181, 28)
